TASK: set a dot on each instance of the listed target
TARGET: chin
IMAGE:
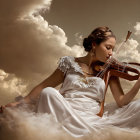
(103, 60)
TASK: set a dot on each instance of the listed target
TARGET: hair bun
(87, 44)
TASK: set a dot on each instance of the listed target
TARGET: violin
(118, 69)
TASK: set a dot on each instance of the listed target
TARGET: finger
(8, 105)
(1, 109)
(1, 106)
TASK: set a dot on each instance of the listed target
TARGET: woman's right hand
(13, 104)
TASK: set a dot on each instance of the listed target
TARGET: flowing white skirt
(78, 115)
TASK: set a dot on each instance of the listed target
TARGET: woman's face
(104, 50)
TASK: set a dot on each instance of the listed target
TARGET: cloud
(129, 51)
(44, 126)
(28, 43)
(11, 87)
(29, 46)
(11, 10)
(137, 28)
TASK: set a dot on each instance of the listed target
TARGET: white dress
(76, 104)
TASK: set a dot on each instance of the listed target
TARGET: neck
(88, 59)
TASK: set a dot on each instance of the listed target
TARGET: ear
(94, 45)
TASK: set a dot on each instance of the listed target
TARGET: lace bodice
(76, 84)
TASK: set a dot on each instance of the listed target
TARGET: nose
(110, 53)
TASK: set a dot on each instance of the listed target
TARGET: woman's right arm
(56, 78)
(117, 91)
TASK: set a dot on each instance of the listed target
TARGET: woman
(77, 102)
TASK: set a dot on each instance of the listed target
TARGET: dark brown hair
(97, 36)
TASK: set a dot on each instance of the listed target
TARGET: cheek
(101, 51)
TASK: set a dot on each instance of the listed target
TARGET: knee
(48, 92)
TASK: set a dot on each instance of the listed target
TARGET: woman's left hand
(138, 82)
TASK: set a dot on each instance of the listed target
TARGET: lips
(108, 57)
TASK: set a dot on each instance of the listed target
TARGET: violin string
(122, 64)
(110, 62)
(106, 65)
(102, 72)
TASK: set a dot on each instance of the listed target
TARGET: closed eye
(109, 47)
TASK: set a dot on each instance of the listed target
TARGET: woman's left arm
(117, 91)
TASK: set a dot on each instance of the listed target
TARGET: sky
(36, 33)
(82, 16)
